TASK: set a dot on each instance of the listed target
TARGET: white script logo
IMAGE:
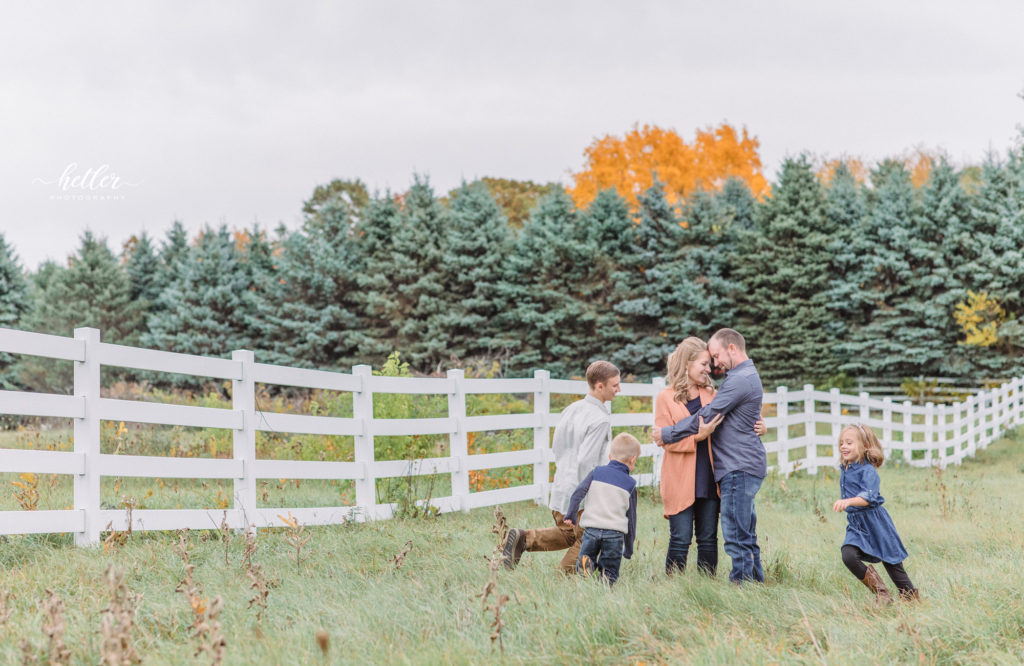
(96, 184)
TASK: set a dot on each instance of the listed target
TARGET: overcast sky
(232, 112)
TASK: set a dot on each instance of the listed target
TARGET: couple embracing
(714, 460)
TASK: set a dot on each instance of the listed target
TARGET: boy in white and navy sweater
(610, 519)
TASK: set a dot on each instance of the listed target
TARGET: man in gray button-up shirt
(580, 444)
(740, 460)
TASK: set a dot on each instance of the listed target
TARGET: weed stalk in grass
(296, 536)
(398, 559)
(115, 540)
(57, 651)
(5, 610)
(225, 535)
(260, 588)
(28, 496)
(118, 621)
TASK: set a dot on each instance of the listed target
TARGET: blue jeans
(603, 550)
(700, 518)
(739, 525)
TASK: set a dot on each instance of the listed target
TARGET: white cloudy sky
(232, 112)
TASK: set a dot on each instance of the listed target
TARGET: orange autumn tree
(629, 163)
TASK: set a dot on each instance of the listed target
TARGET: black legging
(852, 556)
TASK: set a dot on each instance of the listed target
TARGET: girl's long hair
(678, 361)
(870, 445)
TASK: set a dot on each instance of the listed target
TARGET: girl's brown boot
(874, 583)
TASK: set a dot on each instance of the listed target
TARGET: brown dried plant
(398, 559)
(500, 527)
(115, 540)
(225, 533)
(5, 610)
(53, 626)
(208, 634)
(118, 621)
(494, 563)
(296, 536)
(261, 590)
(206, 627)
(250, 546)
(324, 641)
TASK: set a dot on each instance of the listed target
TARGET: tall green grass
(962, 527)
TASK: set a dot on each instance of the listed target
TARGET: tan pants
(559, 537)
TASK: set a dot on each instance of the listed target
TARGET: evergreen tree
(92, 291)
(783, 265)
(204, 310)
(549, 263)
(412, 292)
(374, 302)
(848, 302)
(902, 275)
(14, 304)
(647, 302)
(308, 315)
(143, 268)
(173, 250)
(476, 244)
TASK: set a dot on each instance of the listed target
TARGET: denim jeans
(603, 549)
(739, 525)
(700, 518)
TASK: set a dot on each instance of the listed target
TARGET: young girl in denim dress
(870, 533)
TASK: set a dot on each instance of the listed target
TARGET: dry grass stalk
(208, 633)
(53, 627)
(225, 533)
(115, 540)
(296, 536)
(324, 641)
(5, 610)
(118, 621)
(250, 547)
(262, 590)
(500, 527)
(399, 558)
(498, 623)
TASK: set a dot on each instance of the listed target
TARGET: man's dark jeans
(700, 519)
(603, 550)
(739, 525)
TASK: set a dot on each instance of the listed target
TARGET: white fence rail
(803, 431)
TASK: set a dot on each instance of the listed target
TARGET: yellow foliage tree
(630, 163)
(979, 318)
(858, 169)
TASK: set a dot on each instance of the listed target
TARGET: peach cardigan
(678, 467)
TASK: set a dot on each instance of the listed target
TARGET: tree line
(829, 277)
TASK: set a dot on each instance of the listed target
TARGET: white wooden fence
(806, 424)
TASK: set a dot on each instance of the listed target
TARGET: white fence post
(541, 436)
(810, 429)
(835, 411)
(87, 437)
(942, 430)
(458, 439)
(908, 434)
(659, 453)
(782, 430)
(929, 434)
(887, 442)
(362, 411)
(969, 435)
(243, 399)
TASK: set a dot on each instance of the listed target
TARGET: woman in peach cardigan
(689, 494)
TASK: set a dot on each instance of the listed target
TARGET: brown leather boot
(874, 583)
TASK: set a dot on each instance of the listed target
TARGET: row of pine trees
(826, 280)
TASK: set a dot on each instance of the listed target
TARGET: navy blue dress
(869, 527)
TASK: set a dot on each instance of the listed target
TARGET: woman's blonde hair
(869, 443)
(678, 361)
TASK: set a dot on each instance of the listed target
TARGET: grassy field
(961, 527)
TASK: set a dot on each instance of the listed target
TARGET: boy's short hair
(728, 336)
(600, 372)
(624, 447)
